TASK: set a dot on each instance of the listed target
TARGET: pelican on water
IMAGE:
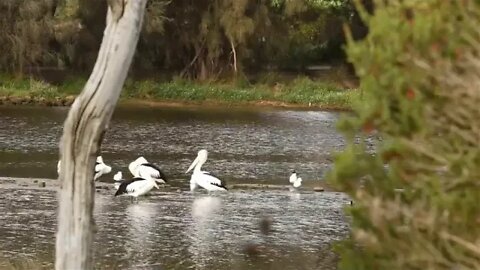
(201, 178)
(134, 187)
(118, 178)
(295, 180)
(100, 168)
(142, 168)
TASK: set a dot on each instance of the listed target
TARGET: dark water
(180, 230)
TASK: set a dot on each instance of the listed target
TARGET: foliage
(25, 32)
(416, 192)
(204, 40)
(320, 4)
(302, 91)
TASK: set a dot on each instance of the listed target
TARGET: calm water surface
(178, 230)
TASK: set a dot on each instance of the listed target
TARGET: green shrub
(417, 192)
(43, 89)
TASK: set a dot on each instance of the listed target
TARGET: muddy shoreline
(68, 100)
(40, 101)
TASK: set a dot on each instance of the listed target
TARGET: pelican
(136, 186)
(297, 183)
(118, 178)
(202, 178)
(100, 168)
(295, 180)
(142, 168)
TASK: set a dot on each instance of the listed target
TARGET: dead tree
(83, 132)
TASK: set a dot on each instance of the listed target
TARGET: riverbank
(300, 92)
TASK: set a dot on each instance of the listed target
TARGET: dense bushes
(416, 195)
(205, 39)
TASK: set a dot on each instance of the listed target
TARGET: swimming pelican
(295, 180)
(136, 186)
(297, 183)
(201, 178)
(142, 168)
(118, 178)
(100, 168)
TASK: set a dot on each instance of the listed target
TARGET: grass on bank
(300, 91)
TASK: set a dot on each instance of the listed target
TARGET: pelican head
(201, 158)
(149, 178)
(100, 159)
(141, 160)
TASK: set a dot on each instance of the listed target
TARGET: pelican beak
(193, 164)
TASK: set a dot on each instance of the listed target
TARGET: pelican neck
(198, 167)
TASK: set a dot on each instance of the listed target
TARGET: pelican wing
(210, 182)
(297, 182)
(293, 177)
(153, 170)
(133, 168)
(130, 185)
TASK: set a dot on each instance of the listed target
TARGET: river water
(180, 230)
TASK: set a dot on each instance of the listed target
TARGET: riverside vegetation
(207, 48)
(301, 91)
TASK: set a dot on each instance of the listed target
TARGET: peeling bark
(82, 134)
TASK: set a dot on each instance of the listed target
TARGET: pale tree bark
(83, 132)
(234, 52)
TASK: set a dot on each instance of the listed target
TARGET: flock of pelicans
(147, 176)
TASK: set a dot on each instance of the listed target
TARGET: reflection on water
(140, 221)
(183, 231)
(205, 223)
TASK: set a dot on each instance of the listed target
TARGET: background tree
(26, 30)
(204, 40)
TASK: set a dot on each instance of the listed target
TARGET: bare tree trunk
(85, 124)
(234, 52)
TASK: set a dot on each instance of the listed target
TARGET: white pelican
(295, 180)
(136, 186)
(118, 178)
(293, 177)
(100, 168)
(297, 183)
(202, 178)
(142, 168)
